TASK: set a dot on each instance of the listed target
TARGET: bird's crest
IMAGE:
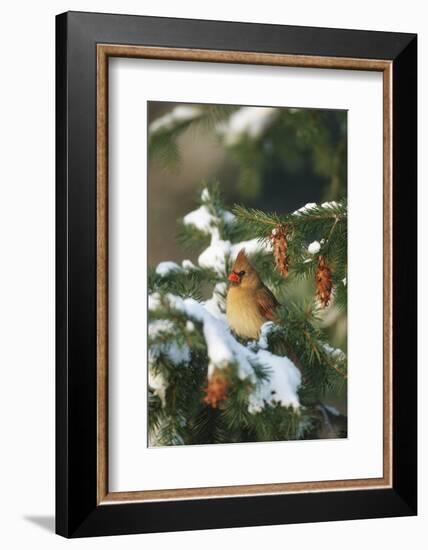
(241, 261)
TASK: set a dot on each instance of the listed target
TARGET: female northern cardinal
(249, 302)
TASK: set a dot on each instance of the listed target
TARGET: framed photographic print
(236, 274)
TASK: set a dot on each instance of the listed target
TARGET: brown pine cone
(278, 238)
(323, 281)
(216, 390)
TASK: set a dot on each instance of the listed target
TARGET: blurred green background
(274, 159)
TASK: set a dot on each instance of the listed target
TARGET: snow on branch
(165, 268)
(215, 257)
(161, 332)
(178, 115)
(247, 121)
(194, 353)
(208, 220)
(284, 379)
(224, 351)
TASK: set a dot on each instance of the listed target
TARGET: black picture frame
(77, 511)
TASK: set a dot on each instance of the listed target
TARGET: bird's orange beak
(234, 278)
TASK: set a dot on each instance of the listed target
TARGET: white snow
(251, 247)
(332, 410)
(308, 206)
(201, 218)
(228, 217)
(223, 351)
(265, 331)
(166, 267)
(154, 301)
(314, 247)
(190, 327)
(331, 204)
(205, 195)
(216, 304)
(335, 353)
(215, 256)
(222, 347)
(177, 354)
(311, 205)
(179, 114)
(344, 281)
(158, 384)
(247, 121)
(219, 251)
(160, 326)
(281, 387)
(188, 265)
(157, 381)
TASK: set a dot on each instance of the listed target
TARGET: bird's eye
(241, 273)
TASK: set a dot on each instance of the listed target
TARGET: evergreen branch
(187, 283)
(330, 213)
(181, 414)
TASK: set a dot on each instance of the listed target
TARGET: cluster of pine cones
(323, 276)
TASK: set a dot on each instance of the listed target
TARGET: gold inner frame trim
(104, 51)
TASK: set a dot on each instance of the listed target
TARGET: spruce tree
(206, 385)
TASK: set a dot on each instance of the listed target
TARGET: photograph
(203, 348)
(247, 273)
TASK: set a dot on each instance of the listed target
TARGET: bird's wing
(267, 303)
